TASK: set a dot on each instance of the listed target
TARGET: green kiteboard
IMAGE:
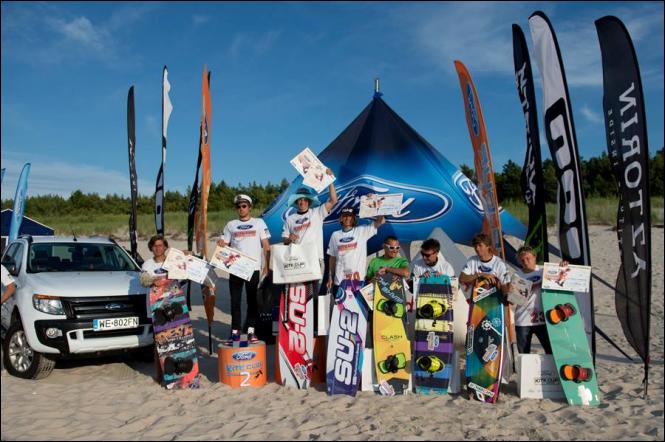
(570, 347)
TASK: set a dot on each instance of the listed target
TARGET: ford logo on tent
(418, 203)
(243, 355)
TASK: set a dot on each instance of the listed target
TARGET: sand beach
(117, 398)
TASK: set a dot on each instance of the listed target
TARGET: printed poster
(373, 204)
(181, 266)
(312, 170)
(234, 262)
(573, 278)
(520, 289)
(175, 264)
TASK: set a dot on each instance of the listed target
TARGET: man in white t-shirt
(250, 236)
(348, 248)
(484, 264)
(431, 262)
(8, 285)
(530, 318)
(306, 225)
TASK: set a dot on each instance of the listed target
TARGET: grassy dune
(599, 211)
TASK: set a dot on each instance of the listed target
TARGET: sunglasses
(242, 206)
(391, 247)
(427, 255)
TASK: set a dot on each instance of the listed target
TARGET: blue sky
(284, 76)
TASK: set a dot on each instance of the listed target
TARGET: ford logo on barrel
(244, 355)
(419, 204)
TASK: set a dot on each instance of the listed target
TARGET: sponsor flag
(532, 181)
(131, 141)
(481, 158)
(19, 203)
(625, 125)
(206, 108)
(167, 107)
(560, 134)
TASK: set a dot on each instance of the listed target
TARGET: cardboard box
(538, 377)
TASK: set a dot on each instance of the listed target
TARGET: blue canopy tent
(380, 153)
(28, 227)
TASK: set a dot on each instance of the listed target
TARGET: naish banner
(560, 134)
(19, 203)
(482, 158)
(167, 108)
(131, 142)
(627, 145)
(193, 198)
(532, 181)
(380, 153)
(206, 178)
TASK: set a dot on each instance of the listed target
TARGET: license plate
(115, 323)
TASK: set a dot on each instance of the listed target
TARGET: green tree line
(598, 178)
(598, 181)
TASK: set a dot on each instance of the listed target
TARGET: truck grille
(87, 309)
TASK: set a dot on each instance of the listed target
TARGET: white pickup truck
(74, 296)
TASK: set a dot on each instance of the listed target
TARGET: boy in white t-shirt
(8, 285)
(348, 248)
(530, 318)
(485, 264)
(250, 236)
(306, 225)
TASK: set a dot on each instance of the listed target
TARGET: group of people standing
(347, 258)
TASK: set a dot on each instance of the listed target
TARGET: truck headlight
(48, 304)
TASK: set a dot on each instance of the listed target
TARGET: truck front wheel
(22, 361)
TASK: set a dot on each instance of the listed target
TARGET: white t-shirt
(443, 267)
(494, 266)
(350, 250)
(246, 236)
(153, 269)
(531, 313)
(308, 226)
(7, 279)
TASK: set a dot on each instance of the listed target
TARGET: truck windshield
(78, 257)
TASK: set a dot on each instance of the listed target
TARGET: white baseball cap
(242, 197)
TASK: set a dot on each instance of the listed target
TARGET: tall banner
(206, 178)
(560, 134)
(481, 158)
(19, 203)
(625, 124)
(131, 141)
(167, 107)
(193, 198)
(532, 181)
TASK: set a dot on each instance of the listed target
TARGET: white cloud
(245, 45)
(479, 34)
(51, 176)
(200, 19)
(591, 115)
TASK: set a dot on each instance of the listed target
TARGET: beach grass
(600, 211)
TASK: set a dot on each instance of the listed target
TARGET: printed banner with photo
(520, 289)
(312, 170)
(372, 205)
(571, 278)
(234, 262)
